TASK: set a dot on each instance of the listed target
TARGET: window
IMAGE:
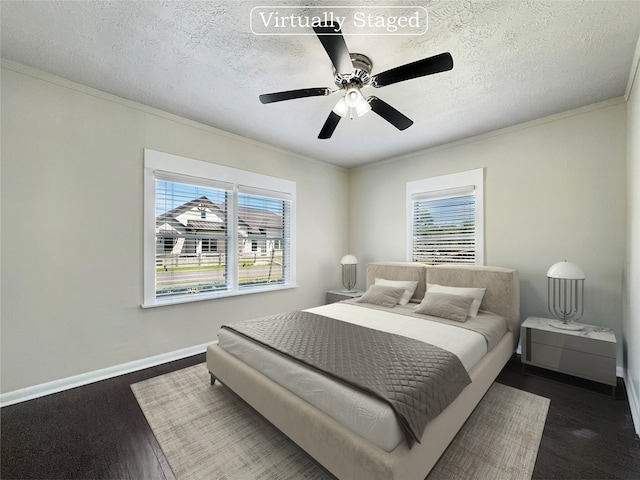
(445, 219)
(213, 231)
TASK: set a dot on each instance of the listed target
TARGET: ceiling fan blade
(426, 66)
(329, 126)
(390, 114)
(293, 94)
(333, 42)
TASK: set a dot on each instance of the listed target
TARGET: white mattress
(367, 416)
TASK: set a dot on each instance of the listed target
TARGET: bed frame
(338, 449)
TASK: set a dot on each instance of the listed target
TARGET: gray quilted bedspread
(416, 379)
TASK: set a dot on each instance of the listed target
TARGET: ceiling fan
(353, 72)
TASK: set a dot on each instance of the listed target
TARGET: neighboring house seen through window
(216, 231)
(445, 219)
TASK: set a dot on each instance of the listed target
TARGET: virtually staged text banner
(378, 20)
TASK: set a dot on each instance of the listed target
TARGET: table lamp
(565, 282)
(349, 263)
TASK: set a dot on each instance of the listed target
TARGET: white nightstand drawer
(573, 342)
(581, 364)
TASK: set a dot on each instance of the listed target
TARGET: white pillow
(476, 293)
(409, 288)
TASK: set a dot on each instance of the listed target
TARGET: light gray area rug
(207, 432)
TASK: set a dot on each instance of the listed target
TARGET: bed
(352, 433)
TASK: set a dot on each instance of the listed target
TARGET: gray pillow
(382, 295)
(445, 305)
(476, 293)
(408, 285)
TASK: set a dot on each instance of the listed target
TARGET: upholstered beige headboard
(503, 287)
(399, 271)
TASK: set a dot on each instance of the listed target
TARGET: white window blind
(444, 227)
(192, 236)
(263, 237)
(445, 219)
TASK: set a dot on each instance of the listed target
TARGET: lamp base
(566, 326)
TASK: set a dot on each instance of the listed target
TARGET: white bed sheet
(467, 345)
(364, 414)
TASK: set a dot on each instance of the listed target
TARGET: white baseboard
(56, 386)
(634, 402)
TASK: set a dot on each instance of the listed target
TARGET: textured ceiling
(514, 61)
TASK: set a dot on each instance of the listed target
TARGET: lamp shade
(362, 107)
(349, 260)
(341, 108)
(353, 97)
(566, 270)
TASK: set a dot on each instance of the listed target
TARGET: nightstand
(589, 353)
(339, 295)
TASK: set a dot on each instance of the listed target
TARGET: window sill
(214, 296)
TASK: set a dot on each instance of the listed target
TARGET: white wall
(555, 189)
(631, 324)
(72, 166)
(71, 234)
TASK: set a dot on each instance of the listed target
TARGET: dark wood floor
(99, 431)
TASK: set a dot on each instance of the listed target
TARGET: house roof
(204, 225)
(253, 220)
(201, 202)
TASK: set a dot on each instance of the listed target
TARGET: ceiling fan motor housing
(359, 76)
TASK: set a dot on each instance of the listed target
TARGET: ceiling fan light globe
(362, 107)
(341, 108)
(353, 97)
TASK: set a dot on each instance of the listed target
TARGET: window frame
(438, 187)
(167, 164)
